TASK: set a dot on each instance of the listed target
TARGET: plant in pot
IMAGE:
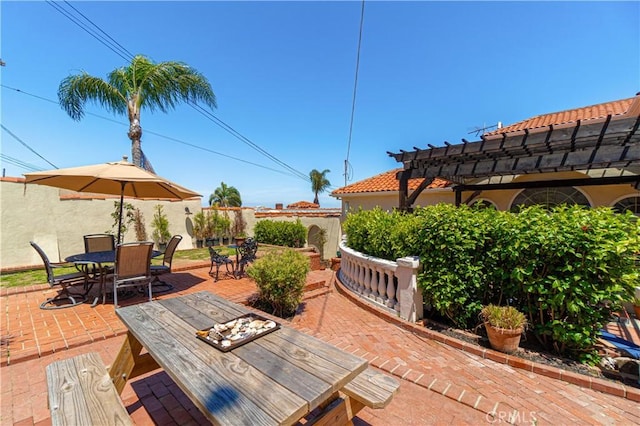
(199, 228)
(210, 229)
(504, 325)
(239, 228)
(222, 228)
(160, 226)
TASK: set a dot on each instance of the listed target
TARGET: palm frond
(76, 90)
(160, 86)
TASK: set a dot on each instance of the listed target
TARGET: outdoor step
(316, 293)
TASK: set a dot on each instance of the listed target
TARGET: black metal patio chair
(247, 251)
(218, 260)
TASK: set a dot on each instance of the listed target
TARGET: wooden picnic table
(278, 378)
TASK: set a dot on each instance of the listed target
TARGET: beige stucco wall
(606, 195)
(389, 200)
(38, 213)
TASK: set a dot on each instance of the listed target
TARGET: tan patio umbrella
(118, 178)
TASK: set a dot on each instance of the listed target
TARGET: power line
(27, 146)
(347, 165)
(247, 141)
(158, 134)
(19, 163)
(75, 20)
(128, 56)
(121, 47)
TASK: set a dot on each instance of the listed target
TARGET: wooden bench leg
(129, 363)
(340, 411)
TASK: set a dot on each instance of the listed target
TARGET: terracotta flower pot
(636, 309)
(502, 339)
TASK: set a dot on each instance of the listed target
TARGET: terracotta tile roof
(303, 205)
(386, 182)
(12, 179)
(591, 112)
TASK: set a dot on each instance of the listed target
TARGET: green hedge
(567, 268)
(287, 234)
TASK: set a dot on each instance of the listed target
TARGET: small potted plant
(504, 325)
(199, 228)
(160, 225)
(210, 229)
(240, 238)
(238, 228)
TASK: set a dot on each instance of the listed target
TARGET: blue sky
(283, 73)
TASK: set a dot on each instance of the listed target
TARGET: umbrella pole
(120, 215)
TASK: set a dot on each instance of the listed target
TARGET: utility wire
(75, 20)
(159, 135)
(347, 165)
(19, 163)
(128, 56)
(121, 47)
(247, 141)
(27, 146)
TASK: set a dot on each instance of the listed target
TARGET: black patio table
(100, 258)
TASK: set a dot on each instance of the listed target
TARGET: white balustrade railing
(390, 285)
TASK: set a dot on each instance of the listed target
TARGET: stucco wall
(57, 222)
(38, 213)
(606, 195)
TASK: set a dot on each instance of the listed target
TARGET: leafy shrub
(287, 234)
(280, 277)
(567, 269)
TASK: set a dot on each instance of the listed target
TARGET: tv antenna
(481, 130)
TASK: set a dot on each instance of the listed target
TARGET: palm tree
(319, 182)
(225, 196)
(140, 84)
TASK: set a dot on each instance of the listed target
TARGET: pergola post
(403, 190)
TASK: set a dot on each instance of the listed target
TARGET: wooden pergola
(610, 144)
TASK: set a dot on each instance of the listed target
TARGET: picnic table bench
(81, 393)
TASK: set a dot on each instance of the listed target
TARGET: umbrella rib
(82, 189)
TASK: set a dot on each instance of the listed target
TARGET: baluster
(345, 270)
(391, 292)
(360, 277)
(374, 283)
(351, 280)
(382, 288)
(367, 280)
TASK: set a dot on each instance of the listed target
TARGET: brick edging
(594, 383)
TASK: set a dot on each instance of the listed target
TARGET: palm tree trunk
(135, 133)
(315, 200)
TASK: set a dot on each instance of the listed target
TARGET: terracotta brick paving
(439, 383)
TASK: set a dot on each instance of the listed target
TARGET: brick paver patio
(440, 384)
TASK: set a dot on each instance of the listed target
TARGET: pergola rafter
(612, 142)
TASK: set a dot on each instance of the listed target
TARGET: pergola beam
(609, 142)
